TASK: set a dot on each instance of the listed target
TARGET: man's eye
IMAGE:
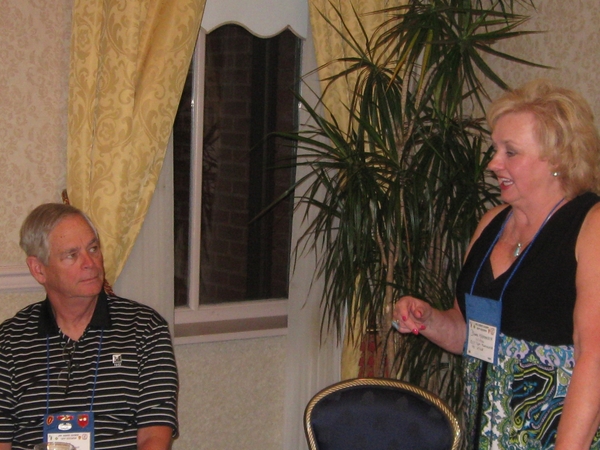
(94, 249)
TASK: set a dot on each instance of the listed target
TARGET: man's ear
(37, 269)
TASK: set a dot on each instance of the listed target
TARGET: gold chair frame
(440, 404)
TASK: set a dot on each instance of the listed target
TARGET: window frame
(225, 321)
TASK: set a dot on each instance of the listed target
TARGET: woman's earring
(555, 174)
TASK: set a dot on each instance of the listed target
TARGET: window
(227, 170)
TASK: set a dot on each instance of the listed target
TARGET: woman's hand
(444, 328)
(411, 315)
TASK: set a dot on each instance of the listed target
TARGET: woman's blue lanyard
(512, 273)
(483, 373)
(48, 372)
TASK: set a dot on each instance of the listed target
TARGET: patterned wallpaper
(569, 44)
(34, 58)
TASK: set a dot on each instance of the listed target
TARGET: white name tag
(481, 343)
(484, 317)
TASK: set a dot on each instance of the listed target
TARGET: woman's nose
(494, 163)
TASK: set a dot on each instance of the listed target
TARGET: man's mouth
(91, 280)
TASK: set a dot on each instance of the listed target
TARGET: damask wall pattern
(569, 44)
(34, 64)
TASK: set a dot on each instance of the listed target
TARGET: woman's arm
(444, 328)
(581, 413)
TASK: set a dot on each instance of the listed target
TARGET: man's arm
(148, 438)
(5, 445)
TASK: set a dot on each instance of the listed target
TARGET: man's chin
(91, 287)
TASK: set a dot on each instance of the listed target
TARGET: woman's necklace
(517, 251)
(519, 246)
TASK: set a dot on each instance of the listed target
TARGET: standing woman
(527, 309)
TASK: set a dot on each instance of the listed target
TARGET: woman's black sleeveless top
(539, 300)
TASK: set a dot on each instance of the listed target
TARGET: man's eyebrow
(69, 250)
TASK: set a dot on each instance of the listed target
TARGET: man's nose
(88, 259)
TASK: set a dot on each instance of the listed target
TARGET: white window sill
(210, 323)
(230, 321)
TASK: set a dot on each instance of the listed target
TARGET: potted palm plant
(400, 186)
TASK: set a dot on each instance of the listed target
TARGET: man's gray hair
(39, 224)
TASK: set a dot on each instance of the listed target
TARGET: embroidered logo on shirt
(117, 360)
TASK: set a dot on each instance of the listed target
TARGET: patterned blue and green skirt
(522, 397)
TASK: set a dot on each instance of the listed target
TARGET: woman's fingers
(409, 315)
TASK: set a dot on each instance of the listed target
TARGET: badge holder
(75, 428)
(483, 328)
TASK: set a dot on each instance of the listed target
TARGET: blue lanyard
(48, 372)
(522, 256)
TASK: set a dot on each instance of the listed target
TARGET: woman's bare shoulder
(488, 217)
(484, 222)
(588, 233)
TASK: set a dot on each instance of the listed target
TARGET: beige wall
(232, 395)
(569, 44)
(231, 392)
(34, 38)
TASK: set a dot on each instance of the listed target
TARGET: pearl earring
(555, 174)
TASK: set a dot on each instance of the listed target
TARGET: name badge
(75, 428)
(483, 328)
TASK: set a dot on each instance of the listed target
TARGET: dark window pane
(249, 84)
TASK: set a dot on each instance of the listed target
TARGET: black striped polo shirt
(136, 385)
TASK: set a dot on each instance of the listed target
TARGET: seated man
(83, 366)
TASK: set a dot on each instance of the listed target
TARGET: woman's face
(522, 175)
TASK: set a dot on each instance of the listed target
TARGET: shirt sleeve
(7, 404)
(158, 379)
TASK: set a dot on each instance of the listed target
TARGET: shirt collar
(100, 319)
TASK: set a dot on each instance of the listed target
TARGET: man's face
(75, 265)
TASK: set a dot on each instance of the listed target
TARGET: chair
(379, 414)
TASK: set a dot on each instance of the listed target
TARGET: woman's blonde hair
(564, 128)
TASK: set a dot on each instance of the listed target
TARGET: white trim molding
(226, 321)
(263, 18)
(16, 278)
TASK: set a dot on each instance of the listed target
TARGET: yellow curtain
(129, 61)
(329, 46)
